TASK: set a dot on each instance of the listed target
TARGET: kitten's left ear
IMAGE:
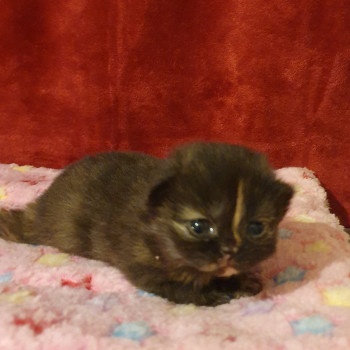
(286, 191)
(283, 195)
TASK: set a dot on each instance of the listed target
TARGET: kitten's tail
(16, 225)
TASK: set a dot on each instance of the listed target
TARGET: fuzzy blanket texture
(51, 300)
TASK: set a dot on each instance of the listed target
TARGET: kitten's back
(85, 192)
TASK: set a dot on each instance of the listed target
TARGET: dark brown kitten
(187, 228)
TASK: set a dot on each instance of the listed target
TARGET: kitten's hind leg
(11, 225)
(17, 225)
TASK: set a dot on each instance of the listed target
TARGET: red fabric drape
(84, 76)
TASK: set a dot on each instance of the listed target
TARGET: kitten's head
(218, 208)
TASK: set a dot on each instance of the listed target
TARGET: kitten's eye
(201, 228)
(255, 229)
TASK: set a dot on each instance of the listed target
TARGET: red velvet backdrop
(82, 76)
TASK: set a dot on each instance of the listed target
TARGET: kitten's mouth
(227, 271)
(223, 268)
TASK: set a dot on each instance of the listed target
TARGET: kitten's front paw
(231, 288)
(248, 286)
(216, 298)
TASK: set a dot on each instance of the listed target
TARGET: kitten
(187, 228)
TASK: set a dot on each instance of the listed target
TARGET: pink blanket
(51, 300)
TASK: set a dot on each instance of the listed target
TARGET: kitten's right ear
(161, 189)
(160, 193)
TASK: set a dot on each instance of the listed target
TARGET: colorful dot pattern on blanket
(137, 331)
(313, 325)
(259, 307)
(54, 259)
(3, 193)
(290, 274)
(317, 247)
(6, 277)
(337, 296)
(284, 233)
(17, 297)
(52, 300)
